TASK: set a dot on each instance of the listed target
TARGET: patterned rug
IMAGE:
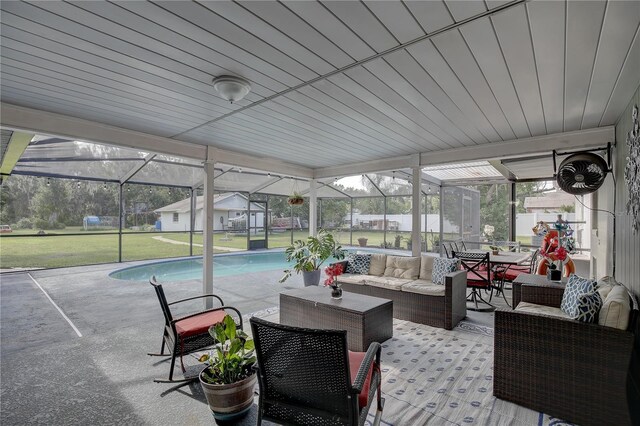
(432, 376)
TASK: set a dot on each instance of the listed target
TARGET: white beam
(579, 139)
(207, 233)
(64, 126)
(18, 142)
(385, 164)
(313, 208)
(416, 212)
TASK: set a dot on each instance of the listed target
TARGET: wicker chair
(188, 333)
(578, 372)
(308, 376)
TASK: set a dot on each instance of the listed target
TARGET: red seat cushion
(512, 273)
(473, 280)
(199, 324)
(355, 359)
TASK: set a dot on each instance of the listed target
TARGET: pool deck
(51, 375)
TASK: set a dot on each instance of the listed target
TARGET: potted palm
(229, 379)
(310, 255)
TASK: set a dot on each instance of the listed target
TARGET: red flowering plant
(553, 252)
(332, 273)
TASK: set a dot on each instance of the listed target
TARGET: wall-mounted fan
(582, 172)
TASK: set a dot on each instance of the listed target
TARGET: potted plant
(229, 379)
(363, 241)
(409, 243)
(397, 241)
(310, 255)
(494, 250)
(295, 199)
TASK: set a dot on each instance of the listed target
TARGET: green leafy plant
(311, 254)
(232, 357)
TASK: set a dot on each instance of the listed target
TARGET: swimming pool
(191, 268)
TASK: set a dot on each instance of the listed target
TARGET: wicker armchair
(189, 333)
(572, 370)
(308, 376)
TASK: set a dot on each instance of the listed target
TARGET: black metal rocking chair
(188, 333)
(309, 376)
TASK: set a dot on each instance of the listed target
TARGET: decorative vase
(362, 242)
(336, 292)
(232, 400)
(311, 277)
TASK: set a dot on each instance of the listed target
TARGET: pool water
(191, 269)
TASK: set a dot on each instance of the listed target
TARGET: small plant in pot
(310, 255)
(363, 241)
(229, 379)
(295, 199)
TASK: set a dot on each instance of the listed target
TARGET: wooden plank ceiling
(534, 68)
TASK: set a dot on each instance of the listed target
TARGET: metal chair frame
(478, 264)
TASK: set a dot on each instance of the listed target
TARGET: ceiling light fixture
(231, 88)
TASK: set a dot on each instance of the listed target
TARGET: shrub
(45, 224)
(24, 223)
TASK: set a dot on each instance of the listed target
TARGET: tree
(51, 202)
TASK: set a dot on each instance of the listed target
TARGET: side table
(533, 280)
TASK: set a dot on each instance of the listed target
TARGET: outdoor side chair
(479, 276)
(309, 377)
(188, 333)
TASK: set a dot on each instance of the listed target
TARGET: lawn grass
(65, 250)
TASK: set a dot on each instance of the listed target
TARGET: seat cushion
(358, 263)
(386, 282)
(616, 309)
(511, 273)
(353, 279)
(426, 267)
(424, 287)
(473, 280)
(199, 324)
(378, 264)
(532, 308)
(355, 360)
(402, 267)
(605, 285)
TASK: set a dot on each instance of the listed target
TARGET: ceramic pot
(229, 401)
(311, 278)
(554, 274)
(336, 292)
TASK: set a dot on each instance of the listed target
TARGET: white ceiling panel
(480, 37)
(584, 21)
(512, 29)
(547, 22)
(455, 51)
(396, 18)
(432, 15)
(620, 24)
(333, 82)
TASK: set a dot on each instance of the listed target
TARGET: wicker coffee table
(366, 318)
(554, 288)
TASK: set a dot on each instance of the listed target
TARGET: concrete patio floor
(50, 375)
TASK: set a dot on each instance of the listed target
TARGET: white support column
(416, 211)
(313, 208)
(207, 233)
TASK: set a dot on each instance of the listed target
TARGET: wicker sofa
(407, 282)
(576, 371)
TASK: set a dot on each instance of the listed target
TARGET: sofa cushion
(378, 264)
(358, 263)
(358, 279)
(426, 267)
(604, 286)
(589, 305)
(616, 309)
(387, 282)
(441, 267)
(402, 267)
(576, 286)
(532, 308)
(424, 287)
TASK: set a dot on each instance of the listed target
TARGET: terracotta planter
(229, 401)
(311, 278)
(362, 242)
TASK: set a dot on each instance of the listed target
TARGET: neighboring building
(549, 203)
(229, 211)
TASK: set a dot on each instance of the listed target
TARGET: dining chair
(479, 276)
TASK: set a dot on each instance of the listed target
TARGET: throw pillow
(589, 305)
(576, 286)
(358, 264)
(616, 308)
(441, 267)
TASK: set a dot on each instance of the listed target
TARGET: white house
(229, 210)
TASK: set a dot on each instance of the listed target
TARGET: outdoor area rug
(432, 376)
